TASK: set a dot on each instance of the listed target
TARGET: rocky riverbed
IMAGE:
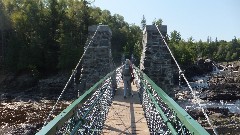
(26, 117)
(218, 93)
(224, 116)
(26, 102)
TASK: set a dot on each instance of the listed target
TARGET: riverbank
(218, 93)
(26, 102)
(26, 117)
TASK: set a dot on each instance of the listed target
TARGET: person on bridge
(127, 75)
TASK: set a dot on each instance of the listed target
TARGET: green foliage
(157, 22)
(36, 41)
(143, 22)
(175, 37)
(49, 35)
(186, 52)
(69, 57)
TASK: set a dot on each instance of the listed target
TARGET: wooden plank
(125, 116)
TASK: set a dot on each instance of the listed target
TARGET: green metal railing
(163, 114)
(87, 114)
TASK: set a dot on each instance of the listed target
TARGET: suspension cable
(182, 74)
(74, 71)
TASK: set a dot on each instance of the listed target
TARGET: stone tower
(156, 59)
(97, 61)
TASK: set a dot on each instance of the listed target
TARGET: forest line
(49, 35)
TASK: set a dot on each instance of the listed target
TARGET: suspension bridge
(102, 109)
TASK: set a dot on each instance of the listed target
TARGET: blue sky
(196, 18)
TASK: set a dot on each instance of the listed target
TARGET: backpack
(126, 70)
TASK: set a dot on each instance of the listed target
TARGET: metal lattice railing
(163, 114)
(87, 114)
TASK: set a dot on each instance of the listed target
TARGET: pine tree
(143, 22)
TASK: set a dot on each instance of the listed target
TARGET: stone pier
(156, 59)
(97, 61)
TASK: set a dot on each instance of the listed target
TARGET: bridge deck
(125, 116)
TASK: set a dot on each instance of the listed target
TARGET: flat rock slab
(125, 116)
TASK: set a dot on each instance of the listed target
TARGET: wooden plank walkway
(125, 116)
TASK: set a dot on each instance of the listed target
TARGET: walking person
(127, 74)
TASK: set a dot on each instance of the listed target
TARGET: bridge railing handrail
(193, 126)
(59, 120)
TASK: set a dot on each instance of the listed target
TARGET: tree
(73, 33)
(175, 37)
(234, 56)
(134, 40)
(4, 17)
(157, 22)
(49, 35)
(26, 22)
(228, 56)
(143, 22)
(5, 27)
